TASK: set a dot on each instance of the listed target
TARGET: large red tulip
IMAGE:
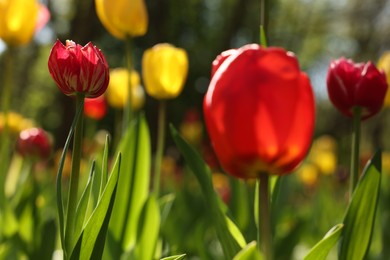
(259, 111)
(356, 85)
(79, 69)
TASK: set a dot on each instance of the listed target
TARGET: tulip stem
(263, 22)
(355, 149)
(128, 111)
(264, 218)
(5, 103)
(74, 176)
(160, 146)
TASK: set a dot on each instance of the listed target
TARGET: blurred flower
(34, 143)
(384, 65)
(118, 90)
(308, 174)
(356, 85)
(79, 69)
(323, 154)
(222, 186)
(16, 122)
(191, 128)
(386, 162)
(123, 18)
(95, 108)
(19, 19)
(164, 70)
(259, 112)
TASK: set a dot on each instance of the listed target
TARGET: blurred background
(317, 31)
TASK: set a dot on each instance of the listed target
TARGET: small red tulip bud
(34, 142)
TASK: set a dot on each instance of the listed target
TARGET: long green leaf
(321, 250)
(60, 204)
(82, 206)
(104, 165)
(95, 229)
(174, 257)
(250, 252)
(229, 241)
(149, 229)
(360, 216)
(133, 188)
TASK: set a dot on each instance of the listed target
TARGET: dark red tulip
(34, 143)
(259, 112)
(95, 108)
(79, 69)
(356, 85)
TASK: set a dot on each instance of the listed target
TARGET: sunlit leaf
(95, 230)
(174, 257)
(360, 216)
(321, 250)
(250, 252)
(133, 188)
(228, 240)
(148, 230)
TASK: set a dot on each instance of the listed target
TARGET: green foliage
(321, 250)
(360, 216)
(231, 239)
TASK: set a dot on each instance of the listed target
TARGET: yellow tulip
(164, 70)
(123, 18)
(384, 65)
(18, 21)
(117, 92)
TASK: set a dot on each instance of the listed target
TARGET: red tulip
(259, 112)
(356, 85)
(34, 142)
(95, 108)
(79, 69)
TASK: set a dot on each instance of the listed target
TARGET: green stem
(263, 22)
(74, 177)
(355, 149)
(5, 105)
(128, 111)
(264, 221)
(160, 146)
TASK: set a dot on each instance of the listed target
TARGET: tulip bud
(118, 89)
(18, 21)
(95, 108)
(123, 18)
(259, 112)
(35, 143)
(79, 69)
(164, 70)
(356, 85)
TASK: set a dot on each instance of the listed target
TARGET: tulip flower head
(95, 108)
(34, 143)
(79, 69)
(123, 18)
(164, 70)
(118, 89)
(17, 18)
(259, 111)
(356, 85)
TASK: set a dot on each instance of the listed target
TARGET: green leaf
(82, 206)
(321, 250)
(250, 252)
(360, 216)
(166, 203)
(133, 188)
(104, 165)
(148, 229)
(94, 233)
(174, 257)
(228, 240)
(60, 203)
